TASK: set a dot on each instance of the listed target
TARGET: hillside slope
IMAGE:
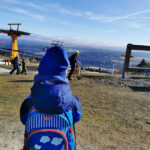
(114, 116)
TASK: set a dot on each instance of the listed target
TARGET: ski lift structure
(14, 34)
(126, 67)
(57, 43)
(54, 43)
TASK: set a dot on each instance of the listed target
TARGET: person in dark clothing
(73, 61)
(15, 65)
(24, 70)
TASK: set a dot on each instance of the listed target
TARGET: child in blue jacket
(51, 110)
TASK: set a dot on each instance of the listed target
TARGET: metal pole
(123, 72)
(113, 68)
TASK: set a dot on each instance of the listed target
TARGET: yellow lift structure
(14, 34)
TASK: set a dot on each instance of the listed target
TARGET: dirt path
(4, 71)
(11, 133)
(7, 71)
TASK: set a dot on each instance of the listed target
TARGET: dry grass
(3, 57)
(30, 65)
(13, 90)
(112, 118)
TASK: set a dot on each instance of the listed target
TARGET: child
(51, 110)
(24, 70)
(20, 68)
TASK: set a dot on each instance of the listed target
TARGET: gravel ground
(135, 83)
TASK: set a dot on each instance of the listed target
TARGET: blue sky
(89, 22)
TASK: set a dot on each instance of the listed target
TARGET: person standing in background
(73, 61)
(24, 70)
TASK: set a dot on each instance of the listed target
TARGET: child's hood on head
(54, 63)
(56, 97)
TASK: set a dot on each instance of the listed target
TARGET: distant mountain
(46, 42)
(89, 55)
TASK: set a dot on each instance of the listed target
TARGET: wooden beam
(131, 47)
(139, 47)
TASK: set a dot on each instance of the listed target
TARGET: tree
(143, 64)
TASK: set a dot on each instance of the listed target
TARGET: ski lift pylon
(14, 34)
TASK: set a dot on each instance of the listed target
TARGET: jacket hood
(53, 79)
(54, 63)
(51, 98)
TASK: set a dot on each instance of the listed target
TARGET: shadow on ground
(140, 77)
(21, 81)
(140, 88)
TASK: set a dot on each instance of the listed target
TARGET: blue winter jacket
(52, 95)
(15, 62)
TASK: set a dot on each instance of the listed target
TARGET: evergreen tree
(143, 64)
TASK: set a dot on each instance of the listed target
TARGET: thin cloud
(138, 26)
(90, 15)
(135, 25)
(36, 16)
(22, 11)
(57, 7)
(100, 18)
(25, 12)
(49, 6)
(29, 4)
(33, 5)
(13, 1)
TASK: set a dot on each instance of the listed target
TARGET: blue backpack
(47, 132)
